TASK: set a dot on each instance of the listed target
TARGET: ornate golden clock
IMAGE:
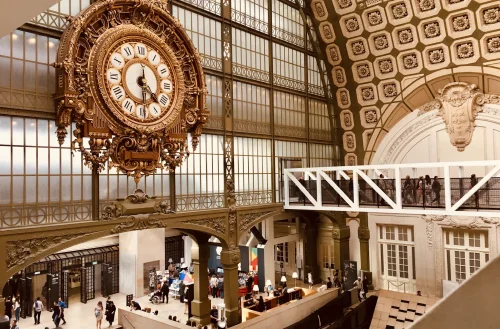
(131, 79)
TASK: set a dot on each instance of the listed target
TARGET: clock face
(139, 81)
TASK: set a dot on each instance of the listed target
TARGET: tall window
(465, 252)
(397, 257)
(281, 252)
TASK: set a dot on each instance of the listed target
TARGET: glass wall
(274, 114)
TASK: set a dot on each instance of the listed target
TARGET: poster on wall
(350, 273)
(254, 259)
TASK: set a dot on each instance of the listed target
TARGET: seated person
(277, 293)
(248, 296)
(134, 306)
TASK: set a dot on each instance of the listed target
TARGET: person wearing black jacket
(110, 312)
(436, 188)
(164, 291)
(56, 314)
(329, 283)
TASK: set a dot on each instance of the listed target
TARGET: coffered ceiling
(382, 53)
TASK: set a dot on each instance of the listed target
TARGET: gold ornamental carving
(246, 221)
(19, 252)
(131, 79)
(138, 222)
(217, 224)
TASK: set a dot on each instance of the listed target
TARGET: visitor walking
(56, 314)
(213, 285)
(63, 307)
(37, 307)
(110, 313)
(310, 280)
(220, 286)
(436, 188)
(98, 312)
(17, 309)
(164, 291)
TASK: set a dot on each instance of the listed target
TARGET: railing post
(286, 188)
(447, 188)
(355, 189)
(319, 198)
(399, 192)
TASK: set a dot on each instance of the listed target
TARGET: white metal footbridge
(451, 188)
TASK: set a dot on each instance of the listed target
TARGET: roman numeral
(113, 76)
(128, 106)
(118, 92)
(141, 51)
(155, 109)
(163, 71)
(128, 51)
(166, 85)
(142, 111)
(117, 60)
(163, 100)
(154, 57)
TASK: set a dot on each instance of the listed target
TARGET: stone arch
(421, 90)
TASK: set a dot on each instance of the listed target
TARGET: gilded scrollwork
(19, 252)
(217, 224)
(136, 147)
(138, 222)
(246, 221)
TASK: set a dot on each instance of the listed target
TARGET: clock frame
(135, 146)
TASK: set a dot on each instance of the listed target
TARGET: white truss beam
(353, 199)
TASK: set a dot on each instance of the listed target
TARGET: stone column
(311, 256)
(341, 237)
(230, 260)
(268, 233)
(200, 306)
(364, 239)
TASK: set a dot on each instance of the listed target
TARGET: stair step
(116, 326)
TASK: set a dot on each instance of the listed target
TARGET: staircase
(473, 305)
(395, 310)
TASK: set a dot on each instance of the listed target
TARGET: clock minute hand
(153, 95)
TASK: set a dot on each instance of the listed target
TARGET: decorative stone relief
(405, 36)
(459, 104)
(436, 56)
(19, 252)
(375, 18)
(465, 50)
(491, 15)
(432, 29)
(346, 120)
(390, 90)
(351, 24)
(426, 5)
(381, 42)
(319, 10)
(338, 75)
(367, 94)
(493, 44)
(364, 233)
(410, 61)
(333, 54)
(363, 71)
(343, 4)
(369, 116)
(326, 32)
(461, 23)
(358, 48)
(351, 159)
(399, 10)
(343, 99)
(386, 66)
(349, 141)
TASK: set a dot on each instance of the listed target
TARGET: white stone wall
(423, 138)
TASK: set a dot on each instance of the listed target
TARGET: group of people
(216, 283)
(12, 310)
(109, 312)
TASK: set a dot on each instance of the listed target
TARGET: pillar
(200, 306)
(188, 243)
(268, 233)
(341, 237)
(137, 250)
(311, 256)
(230, 260)
(364, 239)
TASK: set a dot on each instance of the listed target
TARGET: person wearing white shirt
(17, 310)
(38, 307)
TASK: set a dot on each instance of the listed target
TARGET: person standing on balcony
(428, 189)
(420, 188)
(408, 188)
(436, 188)
(302, 197)
(473, 182)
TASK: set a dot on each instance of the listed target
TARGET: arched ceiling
(376, 50)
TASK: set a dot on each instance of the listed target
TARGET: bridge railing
(352, 189)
